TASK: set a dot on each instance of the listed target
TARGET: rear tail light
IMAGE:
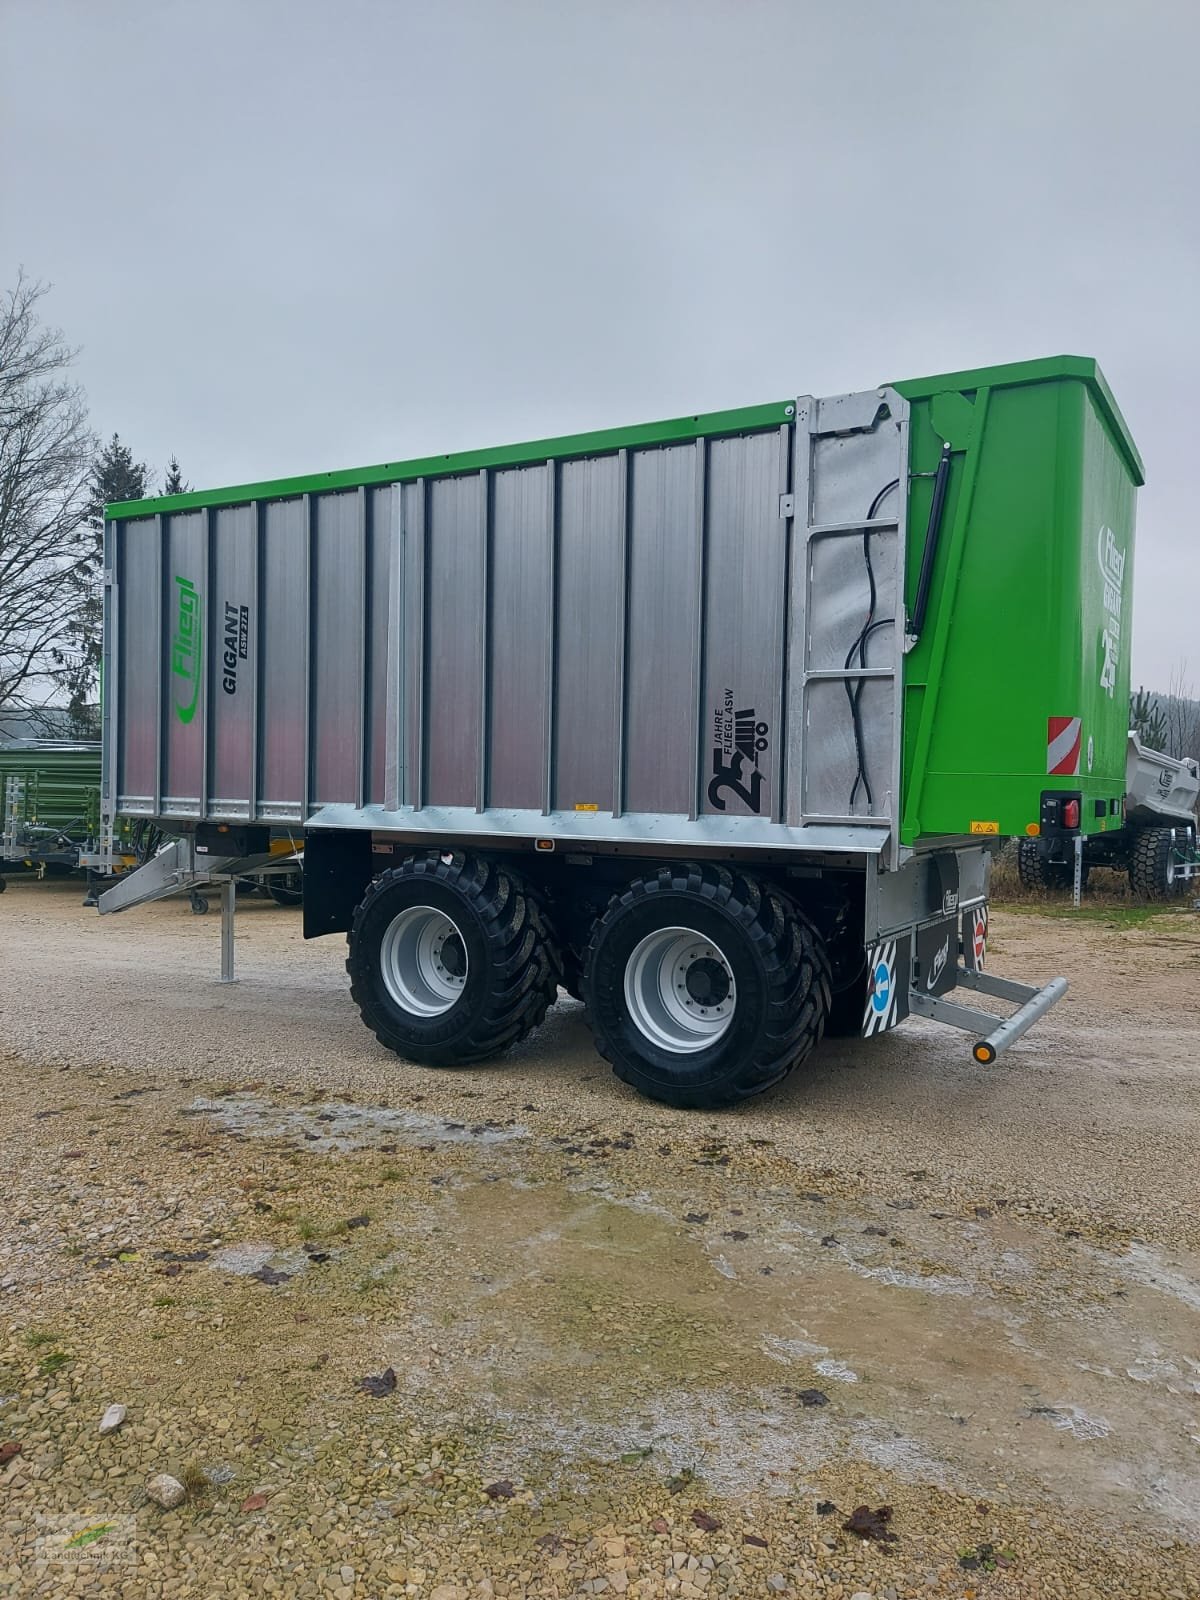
(1061, 813)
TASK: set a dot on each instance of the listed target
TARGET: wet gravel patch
(630, 1351)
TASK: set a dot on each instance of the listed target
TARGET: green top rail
(675, 430)
(1015, 373)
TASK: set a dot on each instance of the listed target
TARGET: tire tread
(793, 955)
(525, 965)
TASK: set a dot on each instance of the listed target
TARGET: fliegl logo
(1112, 571)
(938, 965)
(186, 648)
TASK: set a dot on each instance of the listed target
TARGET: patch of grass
(37, 1337)
(1111, 912)
(52, 1363)
(306, 1229)
(379, 1280)
(985, 1558)
(391, 1175)
(163, 1302)
(194, 1481)
(72, 1249)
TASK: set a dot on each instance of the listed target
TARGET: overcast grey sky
(292, 235)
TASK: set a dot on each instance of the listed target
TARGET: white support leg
(228, 903)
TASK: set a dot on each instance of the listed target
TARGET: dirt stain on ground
(603, 1326)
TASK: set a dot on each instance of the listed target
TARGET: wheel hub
(453, 956)
(707, 981)
(423, 961)
(679, 990)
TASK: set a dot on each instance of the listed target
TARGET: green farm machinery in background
(50, 791)
(51, 823)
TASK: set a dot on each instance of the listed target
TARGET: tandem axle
(705, 980)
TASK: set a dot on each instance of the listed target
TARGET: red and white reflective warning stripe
(979, 937)
(1064, 736)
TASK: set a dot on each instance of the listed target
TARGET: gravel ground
(614, 1347)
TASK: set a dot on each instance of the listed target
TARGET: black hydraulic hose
(854, 686)
(932, 534)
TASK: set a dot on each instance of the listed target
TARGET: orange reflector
(543, 844)
(1033, 829)
(984, 1053)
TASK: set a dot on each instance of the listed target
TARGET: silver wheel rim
(665, 1007)
(419, 959)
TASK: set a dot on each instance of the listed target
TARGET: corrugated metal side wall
(626, 634)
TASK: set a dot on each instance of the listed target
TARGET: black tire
(287, 889)
(1153, 865)
(1037, 872)
(199, 905)
(780, 974)
(512, 965)
(3, 885)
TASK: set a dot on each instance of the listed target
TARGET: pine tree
(115, 476)
(1147, 720)
(174, 483)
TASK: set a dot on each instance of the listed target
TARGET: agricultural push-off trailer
(716, 721)
(1154, 842)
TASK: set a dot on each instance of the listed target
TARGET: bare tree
(45, 456)
(1182, 711)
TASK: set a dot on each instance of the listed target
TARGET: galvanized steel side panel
(187, 629)
(520, 635)
(746, 552)
(383, 551)
(591, 625)
(232, 688)
(408, 641)
(649, 643)
(136, 676)
(283, 608)
(850, 478)
(455, 622)
(338, 690)
(662, 708)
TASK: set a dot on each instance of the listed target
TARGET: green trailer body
(1021, 683)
